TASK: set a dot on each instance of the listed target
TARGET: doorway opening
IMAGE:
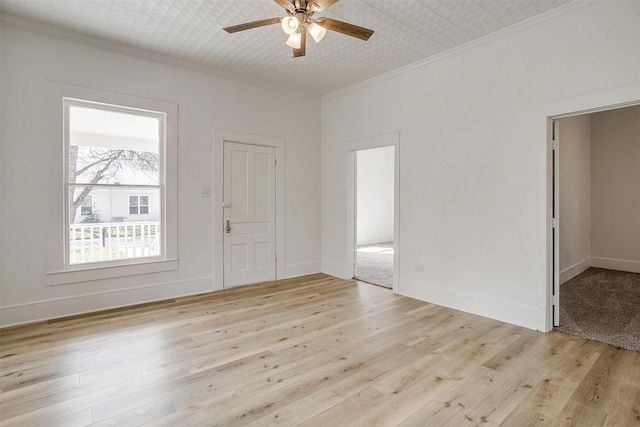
(596, 225)
(374, 187)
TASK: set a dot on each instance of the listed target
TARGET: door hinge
(275, 163)
(554, 222)
(555, 144)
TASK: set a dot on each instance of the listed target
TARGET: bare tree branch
(105, 164)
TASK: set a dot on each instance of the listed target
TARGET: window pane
(111, 232)
(109, 147)
(86, 207)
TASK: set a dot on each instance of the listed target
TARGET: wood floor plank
(314, 350)
(301, 411)
(81, 418)
(551, 394)
(140, 415)
(247, 411)
(350, 410)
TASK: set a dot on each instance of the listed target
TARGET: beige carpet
(375, 264)
(602, 305)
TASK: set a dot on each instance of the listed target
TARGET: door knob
(228, 228)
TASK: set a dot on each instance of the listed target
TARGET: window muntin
(138, 205)
(113, 151)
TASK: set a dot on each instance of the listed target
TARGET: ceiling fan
(299, 21)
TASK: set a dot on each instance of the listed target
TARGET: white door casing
(249, 214)
(351, 148)
(220, 138)
(601, 100)
(555, 218)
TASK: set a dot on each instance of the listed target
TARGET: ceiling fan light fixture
(317, 32)
(290, 24)
(294, 40)
(299, 22)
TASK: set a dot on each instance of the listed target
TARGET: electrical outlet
(205, 192)
(420, 268)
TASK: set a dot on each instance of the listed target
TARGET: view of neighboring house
(116, 205)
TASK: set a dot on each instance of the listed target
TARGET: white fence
(107, 241)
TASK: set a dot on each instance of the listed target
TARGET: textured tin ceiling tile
(406, 31)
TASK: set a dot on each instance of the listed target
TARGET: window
(138, 205)
(86, 207)
(112, 150)
(109, 243)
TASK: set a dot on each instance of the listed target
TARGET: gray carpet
(602, 305)
(375, 264)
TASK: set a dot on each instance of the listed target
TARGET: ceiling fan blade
(250, 25)
(286, 4)
(320, 5)
(345, 28)
(303, 44)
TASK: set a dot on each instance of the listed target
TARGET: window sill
(109, 272)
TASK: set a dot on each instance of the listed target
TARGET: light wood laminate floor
(315, 350)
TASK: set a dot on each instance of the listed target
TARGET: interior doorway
(374, 187)
(596, 225)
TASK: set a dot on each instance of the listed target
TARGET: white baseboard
(290, 271)
(616, 264)
(218, 280)
(298, 270)
(334, 269)
(572, 271)
(505, 311)
(62, 307)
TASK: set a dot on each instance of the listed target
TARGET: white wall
(575, 195)
(375, 176)
(615, 189)
(473, 155)
(205, 102)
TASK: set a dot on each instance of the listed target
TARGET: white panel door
(249, 214)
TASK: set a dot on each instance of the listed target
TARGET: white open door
(249, 214)
(555, 213)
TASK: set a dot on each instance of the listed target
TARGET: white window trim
(58, 272)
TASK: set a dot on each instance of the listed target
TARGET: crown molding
(458, 50)
(47, 30)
